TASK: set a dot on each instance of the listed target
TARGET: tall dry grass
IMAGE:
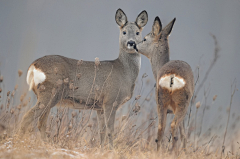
(75, 134)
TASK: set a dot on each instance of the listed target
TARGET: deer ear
(167, 30)
(142, 19)
(120, 17)
(157, 26)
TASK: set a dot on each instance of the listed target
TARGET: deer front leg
(102, 127)
(109, 115)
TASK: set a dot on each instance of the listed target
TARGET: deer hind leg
(41, 110)
(162, 116)
(48, 103)
(28, 118)
(102, 127)
(109, 115)
(31, 115)
(42, 123)
(178, 119)
(183, 134)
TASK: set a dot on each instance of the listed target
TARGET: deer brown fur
(101, 85)
(174, 80)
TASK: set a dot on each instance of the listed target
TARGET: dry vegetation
(74, 133)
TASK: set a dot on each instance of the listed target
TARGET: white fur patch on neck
(171, 82)
(35, 76)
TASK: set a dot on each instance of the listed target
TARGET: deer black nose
(131, 43)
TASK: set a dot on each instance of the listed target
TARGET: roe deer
(175, 81)
(101, 85)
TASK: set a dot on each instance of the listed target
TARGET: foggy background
(30, 29)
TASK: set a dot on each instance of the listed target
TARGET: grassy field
(74, 133)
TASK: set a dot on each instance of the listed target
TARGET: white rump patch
(39, 76)
(172, 82)
(30, 75)
(35, 76)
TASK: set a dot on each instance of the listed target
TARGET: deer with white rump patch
(174, 80)
(101, 85)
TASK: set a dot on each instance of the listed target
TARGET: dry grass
(74, 133)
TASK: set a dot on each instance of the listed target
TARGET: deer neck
(159, 57)
(131, 63)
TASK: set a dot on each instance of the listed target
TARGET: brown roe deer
(174, 80)
(101, 85)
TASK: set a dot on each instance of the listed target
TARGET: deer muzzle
(131, 44)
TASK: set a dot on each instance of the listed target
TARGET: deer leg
(109, 115)
(162, 116)
(28, 118)
(35, 112)
(178, 119)
(41, 109)
(102, 127)
(42, 123)
(183, 134)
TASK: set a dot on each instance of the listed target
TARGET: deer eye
(144, 39)
(124, 32)
(137, 33)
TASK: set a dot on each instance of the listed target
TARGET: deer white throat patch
(171, 82)
(35, 76)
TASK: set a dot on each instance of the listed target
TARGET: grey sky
(30, 29)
